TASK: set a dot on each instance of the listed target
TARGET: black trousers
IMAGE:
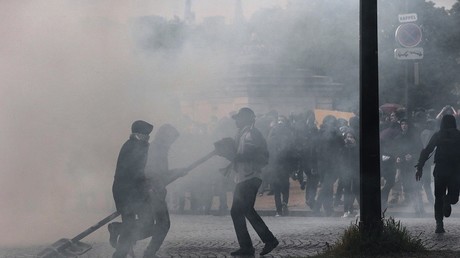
(160, 229)
(137, 222)
(147, 219)
(388, 170)
(244, 198)
(446, 182)
(281, 192)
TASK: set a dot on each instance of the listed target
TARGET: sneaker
(269, 247)
(346, 214)
(277, 214)
(243, 251)
(114, 230)
(439, 228)
(446, 208)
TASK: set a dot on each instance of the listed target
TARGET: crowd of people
(270, 151)
(323, 157)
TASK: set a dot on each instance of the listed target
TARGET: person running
(446, 171)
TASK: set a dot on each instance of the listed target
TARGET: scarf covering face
(139, 137)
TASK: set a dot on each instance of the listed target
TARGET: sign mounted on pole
(409, 53)
(407, 17)
(408, 34)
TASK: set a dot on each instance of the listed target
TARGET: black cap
(244, 113)
(141, 127)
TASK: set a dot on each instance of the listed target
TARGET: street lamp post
(370, 210)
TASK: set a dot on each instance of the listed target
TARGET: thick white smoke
(72, 81)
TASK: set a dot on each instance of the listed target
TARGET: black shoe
(439, 228)
(243, 251)
(446, 208)
(269, 247)
(114, 230)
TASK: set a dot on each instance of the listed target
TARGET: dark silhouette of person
(159, 176)
(446, 171)
(130, 196)
(251, 156)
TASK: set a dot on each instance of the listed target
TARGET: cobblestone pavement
(213, 236)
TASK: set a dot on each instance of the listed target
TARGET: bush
(394, 238)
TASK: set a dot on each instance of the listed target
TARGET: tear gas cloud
(72, 81)
(73, 78)
(75, 74)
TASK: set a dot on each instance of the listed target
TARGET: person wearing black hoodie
(159, 175)
(129, 188)
(447, 168)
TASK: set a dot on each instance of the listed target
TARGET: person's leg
(348, 197)
(285, 193)
(411, 192)
(453, 189)
(326, 193)
(311, 190)
(389, 175)
(440, 186)
(126, 238)
(160, 228)
(238, 210)
(256, 221)
(338, 192)
(277, 196)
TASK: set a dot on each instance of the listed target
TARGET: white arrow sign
(409, 53)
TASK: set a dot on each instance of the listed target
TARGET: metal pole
(370, 211)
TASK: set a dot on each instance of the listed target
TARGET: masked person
(131, 199)
(251, 156)
(159, 176)
(447, 168)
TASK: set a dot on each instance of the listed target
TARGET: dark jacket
(447, 144)
(158, 173)
(129, 183)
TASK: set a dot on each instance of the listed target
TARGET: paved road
(213, 236)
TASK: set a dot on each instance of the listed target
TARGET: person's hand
(398, 160)
(418, 174)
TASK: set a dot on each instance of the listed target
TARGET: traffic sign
(408, 35)
(407, 17)
(409, 53)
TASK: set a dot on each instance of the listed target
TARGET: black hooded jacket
(447, 144)
(129, 181)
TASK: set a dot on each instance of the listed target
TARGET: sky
(66, 101)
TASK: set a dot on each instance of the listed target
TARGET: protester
(447, 164)
(280, 146)
(328, 149)
(251, 156)
(349, 172)
(408, 143)
(129, 189)
(159, 176)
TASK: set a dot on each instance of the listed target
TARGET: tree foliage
(322, 36)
